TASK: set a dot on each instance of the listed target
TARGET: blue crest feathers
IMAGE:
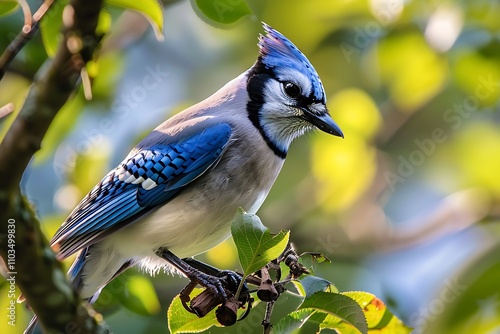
(277, 52)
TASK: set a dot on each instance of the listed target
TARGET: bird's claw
(219, 290)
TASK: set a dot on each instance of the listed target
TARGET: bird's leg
(232, 278)
(203, 267)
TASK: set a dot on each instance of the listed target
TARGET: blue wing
(142, 182)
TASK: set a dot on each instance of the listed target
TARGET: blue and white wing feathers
(150, 177)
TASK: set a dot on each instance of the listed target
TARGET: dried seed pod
(227, 314)
(205, 302)
(267, 292)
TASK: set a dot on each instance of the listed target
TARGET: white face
(288, 94)
(282, 112)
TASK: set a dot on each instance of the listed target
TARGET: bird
(176, 193)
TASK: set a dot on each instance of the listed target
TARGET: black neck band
(257, 78)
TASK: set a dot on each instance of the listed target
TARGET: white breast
(200, 217)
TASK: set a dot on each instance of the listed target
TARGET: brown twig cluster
(267, 288)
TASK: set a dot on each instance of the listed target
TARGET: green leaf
(310, 284)
(378, 316)
(107, 72)
(376, 313)
(294, 320)
(151, 9)
(181, 321)
(223, 11)
(50, 28)
(333, 322)
(8, 7)
(338, 305)
(256, 245)
(140, 296)
(104, 22)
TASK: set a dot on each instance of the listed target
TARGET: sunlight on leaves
(344, 169)
(378, 316)
(14, 89)
(223, 255)
(468, 163)
(373, 307)
(355, 112)
(90, 167)
(104, 23)
(141, 296)
(52, 223)
(151, 9)
(413, 72)
(107, 72)
(478, 76)
(316, 22)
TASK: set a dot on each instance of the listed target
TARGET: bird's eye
(291, 89)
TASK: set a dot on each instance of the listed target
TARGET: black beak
(323, 122)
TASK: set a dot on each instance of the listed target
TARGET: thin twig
(266, 323)
(27, 14)
(6, 109)
(29, 29)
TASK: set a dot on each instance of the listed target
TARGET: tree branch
(29, 30)
(35, 269)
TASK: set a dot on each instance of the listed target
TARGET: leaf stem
(240, 286)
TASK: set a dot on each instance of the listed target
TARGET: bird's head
(286, 96)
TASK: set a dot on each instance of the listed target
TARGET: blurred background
(407, 206)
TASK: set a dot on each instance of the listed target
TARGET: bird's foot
(220, 289)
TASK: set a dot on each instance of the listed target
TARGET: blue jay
(174, 196)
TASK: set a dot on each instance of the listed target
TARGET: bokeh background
(407, 206)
